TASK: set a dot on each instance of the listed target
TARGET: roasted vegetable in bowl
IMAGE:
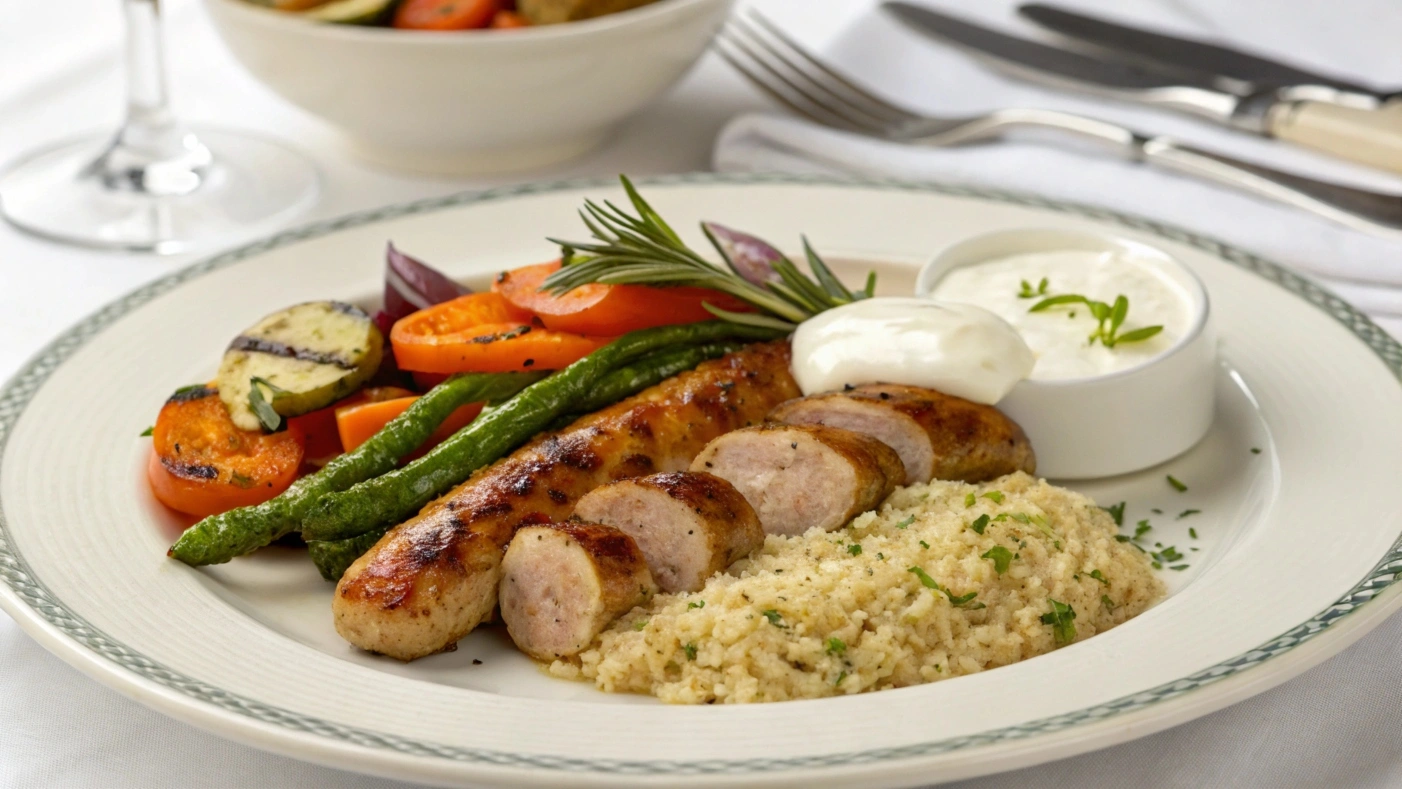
(452, 14)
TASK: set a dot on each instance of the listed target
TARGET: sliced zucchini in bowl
(353, 12)
(305, 357)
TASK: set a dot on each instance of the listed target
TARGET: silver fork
(785, 70)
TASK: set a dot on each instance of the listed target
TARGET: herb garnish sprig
(645, 250)
(1109, 318)
(1028, 292)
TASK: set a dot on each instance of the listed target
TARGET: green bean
(647, 371)
(333, 556)
(394, 496)
(219, 538)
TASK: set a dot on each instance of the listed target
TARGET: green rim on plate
(15, 573)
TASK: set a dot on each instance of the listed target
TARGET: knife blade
(1139, 44)
(1368, 136)
(1193, 92)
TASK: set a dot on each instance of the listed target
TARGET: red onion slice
(752, 257)
(411, 285)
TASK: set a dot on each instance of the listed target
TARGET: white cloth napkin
(915, 71)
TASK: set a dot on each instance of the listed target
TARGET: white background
(1335, 726)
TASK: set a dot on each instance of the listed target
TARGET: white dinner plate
(1295, 558)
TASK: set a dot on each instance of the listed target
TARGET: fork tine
(774, 89)
(755, 21)
(816, 88)
(763, 73)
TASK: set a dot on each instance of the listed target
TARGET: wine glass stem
(153, 153)
(148, 102)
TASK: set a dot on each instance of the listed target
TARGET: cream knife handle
(1372, 212)
(1371, 137)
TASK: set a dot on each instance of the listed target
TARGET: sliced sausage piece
(801, 476)
(563, 583)
(938, 436)
(689, 525)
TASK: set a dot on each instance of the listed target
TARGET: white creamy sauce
(1058, 336)
(958, 349)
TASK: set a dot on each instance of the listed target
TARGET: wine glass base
(252, 185)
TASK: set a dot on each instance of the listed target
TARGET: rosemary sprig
(643, 249)
(1109, 318)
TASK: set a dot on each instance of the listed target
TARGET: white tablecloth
(1336, 725)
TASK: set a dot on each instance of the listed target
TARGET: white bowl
(478, 100)
(1116, 423)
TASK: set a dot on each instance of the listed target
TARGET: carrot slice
(357, 423)
(323, 437)
(507, 20)
(608, 309)
(202, 464)
(483, 332)
(446, 14)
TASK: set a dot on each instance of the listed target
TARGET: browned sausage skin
(431, 580)
(689, 525)
(938, 436)
(563, 583)
(798, 477)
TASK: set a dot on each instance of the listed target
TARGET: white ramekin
(1116, 423)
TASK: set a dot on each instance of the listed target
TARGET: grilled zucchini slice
(310, 355)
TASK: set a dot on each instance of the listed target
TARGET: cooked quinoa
(829, 613)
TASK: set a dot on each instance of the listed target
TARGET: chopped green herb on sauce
(1028, 292)
(1117, 512)
(1178, 486)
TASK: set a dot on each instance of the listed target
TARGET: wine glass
(155, 186)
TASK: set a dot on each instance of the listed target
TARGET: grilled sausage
(801, 476)
(938, 436)
(431, 580)
(563, 583)
(689, 525)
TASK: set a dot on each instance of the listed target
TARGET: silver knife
(1185, 53)
(1369, 137)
